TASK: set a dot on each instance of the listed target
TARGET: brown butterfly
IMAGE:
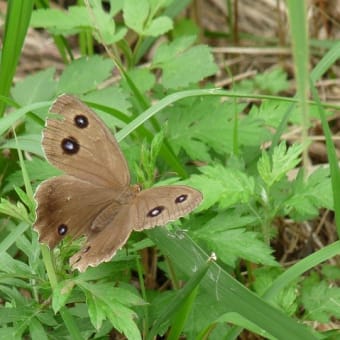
(94, 198)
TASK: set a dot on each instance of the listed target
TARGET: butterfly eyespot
(81, 121)
(155, 211)
(181, 198)
(62, 229)
(77, 260)
(70, 145)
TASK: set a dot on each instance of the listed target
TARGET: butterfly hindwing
(159, 205)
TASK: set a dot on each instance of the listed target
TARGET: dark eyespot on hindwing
(70, 145)
(81, 121)
(181, 198)
(62, 229)
(155, 211)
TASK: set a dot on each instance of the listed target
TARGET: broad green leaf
(34, 88)
(178, 71)
(29, 143)
(77, 19)
(135, 14)
(158, 26)
(77, 79)
(168, 51)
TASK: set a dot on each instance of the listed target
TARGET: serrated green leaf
(223, 186)
(287, 297)
(96, 310)
(320, 300)
(271, 82)
(178, 72)
(210, 123)
(77, 79)
(105, 304)
(309, 195)
(231, 245)
(283, 160)
(122, 319)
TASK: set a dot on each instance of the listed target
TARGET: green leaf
(37, 330)
(110, 302)
(12, 237)
(30, 143)
(18, 15)
(234, 244)
(271, 82)
(18, 210)
(286, 299)
(320, 300)
(178, 71)
(158, 26)
(223, 186)
(104, 22)
(61, 293)
(222, 292)
(181, 297)
(96, 310)
(210, 123)
(34, 88)
(168, 51)
(309, 195)
(75, 20)
(142, 78)
(37, 169)
(77, 79)
(135, 14)
(283, 160)
(9, 120)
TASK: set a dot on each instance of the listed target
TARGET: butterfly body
(94, 198)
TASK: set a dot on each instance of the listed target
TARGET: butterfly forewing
(81, 145)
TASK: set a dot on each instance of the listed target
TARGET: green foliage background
(167, 124)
